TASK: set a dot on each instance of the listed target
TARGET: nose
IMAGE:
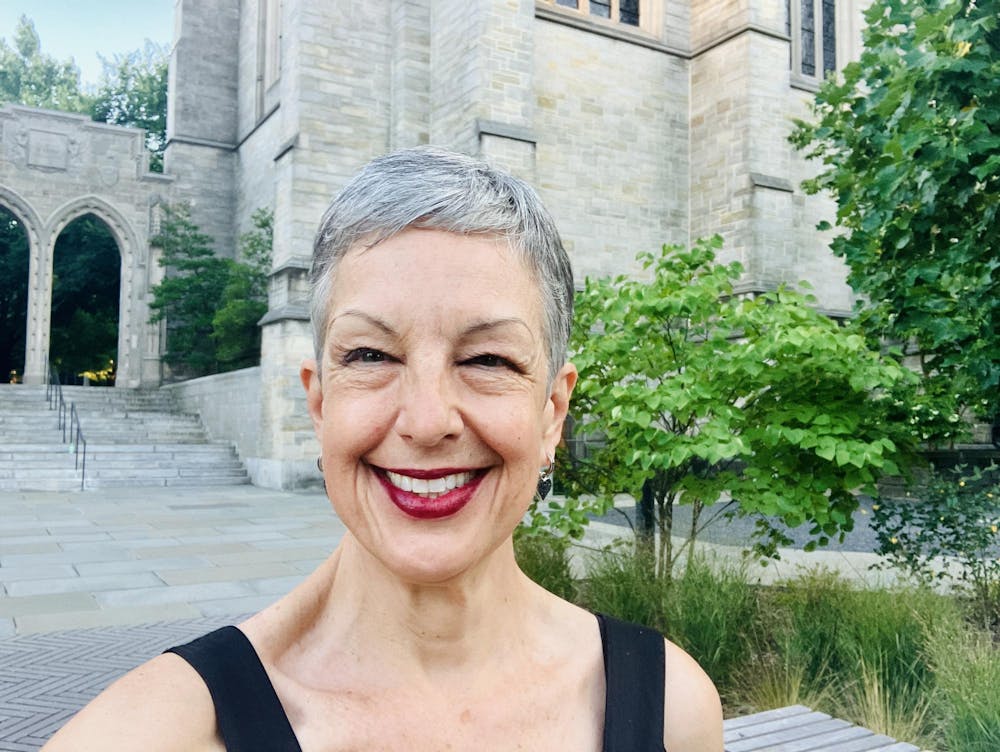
(428, 410)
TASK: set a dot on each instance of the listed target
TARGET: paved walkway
(94, 583)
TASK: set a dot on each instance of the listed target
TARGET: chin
(431, 564)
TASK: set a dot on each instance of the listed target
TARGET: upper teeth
(432, 486)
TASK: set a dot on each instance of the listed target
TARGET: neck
(467, 620)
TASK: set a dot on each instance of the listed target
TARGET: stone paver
(108, 556)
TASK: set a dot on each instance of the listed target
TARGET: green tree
(189, 295)
(909, 139)
(32, 78)
(699, 393)
(13, 294)
(133, 92)
(244, 299)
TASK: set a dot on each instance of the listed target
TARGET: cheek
(353, 425)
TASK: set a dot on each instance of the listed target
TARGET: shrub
(953, 516)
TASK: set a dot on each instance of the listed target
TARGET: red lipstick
(424, 508)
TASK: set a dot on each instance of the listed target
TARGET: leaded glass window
(812, 28)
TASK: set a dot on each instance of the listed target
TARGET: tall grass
(710, 610)
(620, 584)
(779, 679)
(966, 665)
(879, 701)
(866, 647)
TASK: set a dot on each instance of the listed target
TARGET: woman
(442, 300)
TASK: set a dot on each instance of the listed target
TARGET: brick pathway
(46, 678)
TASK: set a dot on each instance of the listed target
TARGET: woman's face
(433, 410)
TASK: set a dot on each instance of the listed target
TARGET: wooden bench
(800, 729)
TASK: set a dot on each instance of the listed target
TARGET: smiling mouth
(429, 488)
(430, 494)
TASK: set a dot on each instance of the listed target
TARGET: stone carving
(48, 151)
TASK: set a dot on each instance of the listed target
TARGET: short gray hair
(431, 188)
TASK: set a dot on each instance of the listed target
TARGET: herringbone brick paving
(46, 678)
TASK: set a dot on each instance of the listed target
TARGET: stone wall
(612, 155)
(228, 405)
(745, 176)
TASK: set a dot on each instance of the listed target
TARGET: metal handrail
(54, 397)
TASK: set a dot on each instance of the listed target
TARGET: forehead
(419, 273)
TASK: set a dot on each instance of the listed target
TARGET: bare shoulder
(161, 706)
(692, 712)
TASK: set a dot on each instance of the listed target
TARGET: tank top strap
(247, 709)
(633, 677)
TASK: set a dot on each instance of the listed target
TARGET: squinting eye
(488, 360)
(365, 355)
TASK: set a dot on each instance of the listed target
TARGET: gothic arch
(123, 233)
(131, 253)
(22, 211)
(56, 167)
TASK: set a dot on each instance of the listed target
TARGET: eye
(490, 360)
(365, 355)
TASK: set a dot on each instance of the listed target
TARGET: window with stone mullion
(623, 11)
(811, 27)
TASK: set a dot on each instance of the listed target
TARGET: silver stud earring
(545, 478)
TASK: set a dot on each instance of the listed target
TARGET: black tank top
(251, 719)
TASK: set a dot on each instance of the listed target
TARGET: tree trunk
(645, 522)
(666, 565)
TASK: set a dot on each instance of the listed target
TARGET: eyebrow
(478, 327)
(489, 325)
(373, 320)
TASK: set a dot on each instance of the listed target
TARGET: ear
(556, 407)
(309, 373)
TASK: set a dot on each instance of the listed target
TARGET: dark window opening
(628, 12)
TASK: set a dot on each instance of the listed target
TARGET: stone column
(410, 73)
(482, 93)
(39, 310)
(202, 115)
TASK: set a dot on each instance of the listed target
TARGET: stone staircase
(134, 438)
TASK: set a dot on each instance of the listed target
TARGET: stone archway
(57, 167)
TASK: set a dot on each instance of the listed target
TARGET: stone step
(179, 482)
(39, 484)
(132, 439)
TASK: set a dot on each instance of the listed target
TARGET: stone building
(641, 122)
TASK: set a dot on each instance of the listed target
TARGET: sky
(81, 30)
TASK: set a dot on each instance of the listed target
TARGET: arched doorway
(86, 288)
(14, 259)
